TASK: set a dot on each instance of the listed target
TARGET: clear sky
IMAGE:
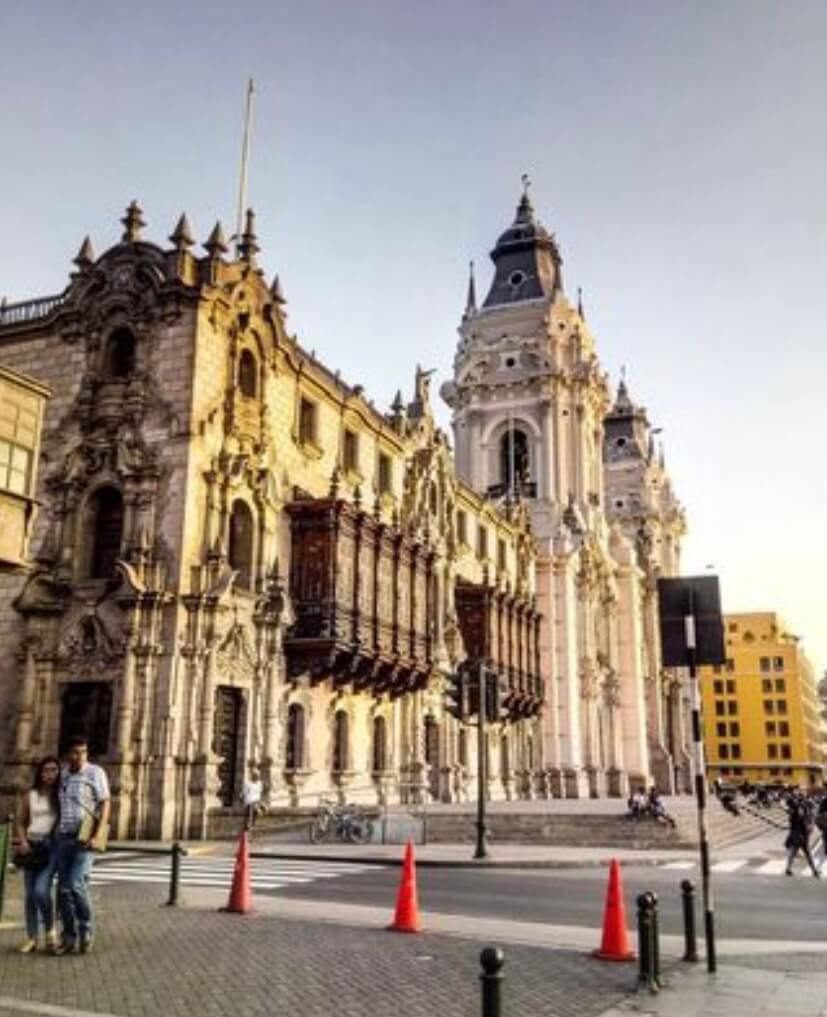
(678, 149)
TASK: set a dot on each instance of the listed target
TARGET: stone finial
(276, 291)
(85, 257)
(471, 299)
(215, 245)
(357, 496)
(398, 404)
(133, 222)
(248, 246)
(580, 309)
(334, 482)
(377, 508)
(181, 237)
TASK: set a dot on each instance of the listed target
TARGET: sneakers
(64, 946)
(27, 946)
(86, 944)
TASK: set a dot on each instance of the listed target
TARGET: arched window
(340, 742)
(105, 532)
(514, 459)
(294, 756)
(241, 544)
(247, 374)
(119, 359)
(380, 745)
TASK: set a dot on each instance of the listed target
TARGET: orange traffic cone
(615, 944)
(241, 898)
(406, 918)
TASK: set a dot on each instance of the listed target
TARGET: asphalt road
(748, 906)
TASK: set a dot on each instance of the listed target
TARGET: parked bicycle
(347, 823)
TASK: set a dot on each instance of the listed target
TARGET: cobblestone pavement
(151, 961)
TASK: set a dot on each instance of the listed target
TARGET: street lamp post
(481, 850)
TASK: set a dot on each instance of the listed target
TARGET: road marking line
(731, 866)
(771, 868)
(679, 865)
(115, 872)
(49, 1009)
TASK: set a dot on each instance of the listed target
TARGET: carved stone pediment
(235, 658)
(42, 594)
(93, 638)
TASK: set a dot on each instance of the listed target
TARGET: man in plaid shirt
(84, 794)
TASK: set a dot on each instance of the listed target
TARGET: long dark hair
(37, 782)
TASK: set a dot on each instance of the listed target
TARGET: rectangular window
(769, 706)
(769, 728)
(764, 664)
(720, 730)
(732, 707)
(766, 684)
(350, 451)
(782, 705)
(719, 709)
(723, 752)
(736, 751)
(734, 729)
(730, 686)
(718, 688)
(716, 668)
(462, 527)
(780, 685)
(501, 555)
(307, 422)
(733, 626)
(482, 542)
(772, 751)
(778, 663)
(784, 729)
(730, 665)
(384, 471)
(785, 751)
(15, 468)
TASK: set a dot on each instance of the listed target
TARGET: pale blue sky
(678, 150)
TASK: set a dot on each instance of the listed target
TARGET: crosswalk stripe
(679, 865)
(222, 877)
(731, 866)
(261, 884)
(772, 868)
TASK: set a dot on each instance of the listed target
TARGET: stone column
(566, 669)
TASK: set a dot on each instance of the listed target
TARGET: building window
(241, 544)
(718, 688)
(482, 542)
(308, 412)
(780, 685)
(764, 664)
(340, 742)
(119, 356)
(785, 751)
(247, 374)
(730, 665)
(734, 729)
(716, 668)
(778, 663)
(350, 451)
(769, 706)
(514, 460)
(772, 751)
(730, 686)
(720, 709)
(732, 707)
(294, 756)
(784, 729)
(782, 705)
(733, 626)
(769, 728)
(380, 745)
(15, 468)
(720, 730)
(766, 684)
(735, 751)
(501, 554)
(462, 527)
(723, 752)
(385, 479)
(105, 523)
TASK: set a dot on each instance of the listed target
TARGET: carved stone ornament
(92, 639)
(235, 659)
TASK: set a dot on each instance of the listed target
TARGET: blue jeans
(39, 903)
(73, 867)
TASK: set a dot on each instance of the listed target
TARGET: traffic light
(495, 692)
(456, 696)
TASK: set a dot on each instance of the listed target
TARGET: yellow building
(761, 709)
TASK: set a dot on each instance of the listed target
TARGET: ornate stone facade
(238, 557)
(534, 424)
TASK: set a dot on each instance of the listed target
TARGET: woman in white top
(36, 822)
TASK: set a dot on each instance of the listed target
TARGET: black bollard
(175, 874)
(646, 970)
(6, 834)
(690, 954)
(653, 898)
(492, 960)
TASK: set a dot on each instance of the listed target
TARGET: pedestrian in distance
(82, 829)
(821, 823)
(37, 818)
(798, 836)
(251, 795)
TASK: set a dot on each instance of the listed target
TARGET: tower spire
(471, 300)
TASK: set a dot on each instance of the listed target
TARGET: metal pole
(175, 874)
(653, 897)
(245, 158)
(481, 848)
(492, 960)
(690, 953)
(5, 850)
(700, 787)
(646, 974)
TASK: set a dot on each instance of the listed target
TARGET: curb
(456, 863)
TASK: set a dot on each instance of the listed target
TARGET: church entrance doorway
(229, 743)
(86, 709)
